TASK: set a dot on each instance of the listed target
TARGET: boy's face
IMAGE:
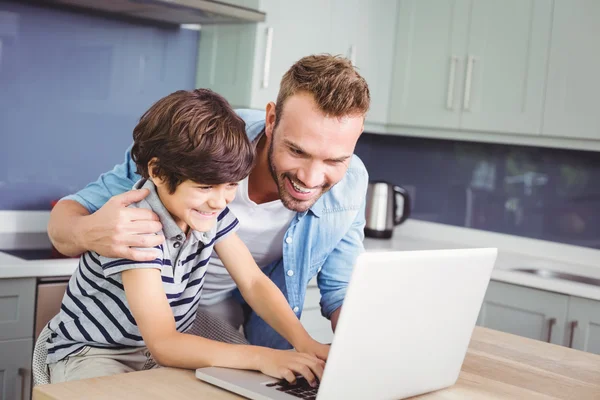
(308, 152)
(196, 205)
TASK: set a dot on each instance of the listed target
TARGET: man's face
(309, 152)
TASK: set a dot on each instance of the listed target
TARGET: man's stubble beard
(288, 201)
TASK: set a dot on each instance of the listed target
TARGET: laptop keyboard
(300, 389)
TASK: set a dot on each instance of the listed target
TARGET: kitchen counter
(497, 366)
(514, 252)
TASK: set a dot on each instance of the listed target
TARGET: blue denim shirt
(323, 241)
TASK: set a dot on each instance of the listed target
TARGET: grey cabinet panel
(15, 369)
(586, 332)
(524, 311)
(17, 298)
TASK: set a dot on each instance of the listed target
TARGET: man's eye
(297, 152)
(204, 187)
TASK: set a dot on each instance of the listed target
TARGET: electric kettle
(388, 205)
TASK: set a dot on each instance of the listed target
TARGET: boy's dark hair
(195, 135)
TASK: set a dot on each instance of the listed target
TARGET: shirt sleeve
(119, 180)
(112, 266)
(227, 223)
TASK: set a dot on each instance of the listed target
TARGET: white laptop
(404, 329)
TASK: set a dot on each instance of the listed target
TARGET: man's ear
(270, 119)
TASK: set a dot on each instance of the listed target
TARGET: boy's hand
(315, 349)
(285, 364)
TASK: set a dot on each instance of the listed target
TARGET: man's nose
(312, 175)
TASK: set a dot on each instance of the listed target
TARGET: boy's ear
(158, 181)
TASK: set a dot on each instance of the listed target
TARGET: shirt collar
(169, 226)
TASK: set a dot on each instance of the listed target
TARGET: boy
(119, 315)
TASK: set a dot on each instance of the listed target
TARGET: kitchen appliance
(50, 292)
(388, 205)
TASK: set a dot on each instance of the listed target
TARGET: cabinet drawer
(17, 298)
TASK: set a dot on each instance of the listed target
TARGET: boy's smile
(195, 205)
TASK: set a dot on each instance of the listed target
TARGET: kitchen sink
(546, 273)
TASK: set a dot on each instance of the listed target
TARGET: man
(301, 210)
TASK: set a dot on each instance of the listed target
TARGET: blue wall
(72, 86)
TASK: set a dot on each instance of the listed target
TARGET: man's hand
(115, 230)
(284, 364)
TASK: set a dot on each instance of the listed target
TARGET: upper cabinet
(511, 71)
(363, 31)
(245, 62)
(471, 64)
(573, 75)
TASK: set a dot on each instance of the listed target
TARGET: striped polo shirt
(94, 311)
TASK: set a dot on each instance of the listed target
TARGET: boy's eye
(233, 184)
(204, 187)
(297, 152)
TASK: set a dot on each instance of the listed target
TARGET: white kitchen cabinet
(361, 31)
(571, 109)
(583, 325)
(245, 62)
(15, 369)
(524, 311)
(471, 64)
(429, 55)
(17, 301)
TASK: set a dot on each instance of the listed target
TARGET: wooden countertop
(497, 366)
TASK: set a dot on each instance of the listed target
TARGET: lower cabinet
(584, 324)
(15, 369)
(315, 324)
(542, 315)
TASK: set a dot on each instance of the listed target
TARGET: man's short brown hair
(195, 135)
(333, 82)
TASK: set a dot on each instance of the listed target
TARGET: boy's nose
(217, 202)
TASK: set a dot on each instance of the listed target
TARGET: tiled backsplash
(541, 193)
(72, 87)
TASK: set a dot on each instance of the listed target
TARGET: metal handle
(551, 324)
(467, 97)
(23, 373)
(267, 67)
(573, 326)
(451, 73)
(352, 54)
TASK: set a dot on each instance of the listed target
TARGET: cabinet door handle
(267, 66)
(23, 373)
(573, 326)
(551, 323)
(0, 54)
(451, 73)
(467, 98)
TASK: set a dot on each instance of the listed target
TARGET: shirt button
(288, 240)
(290, 272)
(179, 237)
(296, 309)
(176, 244)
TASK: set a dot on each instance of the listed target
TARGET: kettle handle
(403, 193)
